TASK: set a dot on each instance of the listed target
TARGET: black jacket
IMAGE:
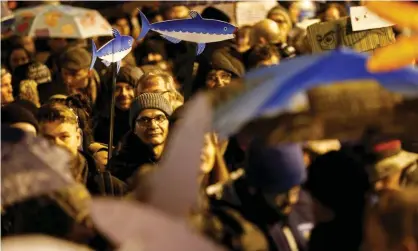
(132, 155)
(101, 183)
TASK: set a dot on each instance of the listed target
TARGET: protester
(243, 39)
(17, 56)
(61, 125)
(282, 18)
(76, 75)
(148, 118)
(16, 116)
(6, 86)
(247, 195)
(126, 82)
(338, 205)
(39, 73)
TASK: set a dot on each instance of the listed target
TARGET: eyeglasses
(144, 121)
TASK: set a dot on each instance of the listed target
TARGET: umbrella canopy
(270, 92)
(61, 21)
(31, 166)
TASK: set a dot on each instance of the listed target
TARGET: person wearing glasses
(144, 143)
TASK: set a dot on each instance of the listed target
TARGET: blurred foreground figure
(338, 184)
(392, 221)
(39, 243)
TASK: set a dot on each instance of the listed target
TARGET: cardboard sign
(363, 19)
(330, 35)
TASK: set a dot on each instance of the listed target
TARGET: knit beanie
(149, 101)
(223, 60)
(15, 113)
(275, 169)
(130, 75)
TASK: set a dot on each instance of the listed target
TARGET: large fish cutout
(31, 166)
(137, 227)
(196, 29)
(270, 92)
(113, 51)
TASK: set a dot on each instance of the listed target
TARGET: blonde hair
(28, 91)
(397, 213)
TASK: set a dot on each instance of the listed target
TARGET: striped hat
(388, 158)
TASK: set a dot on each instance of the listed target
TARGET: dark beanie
(214, 13)
(130, 75)
(223, 60)
(75, 58)
(28, 105)
(275, 169)
(149, 101)
(14, 113)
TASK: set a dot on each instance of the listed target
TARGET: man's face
(6, 89)
(63, 134)
(18, 57)
(151, 126)
(285, 201)
(75, 79)
(218, 78)
(124, 95)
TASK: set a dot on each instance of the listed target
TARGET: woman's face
(207, 155)
(18, 57)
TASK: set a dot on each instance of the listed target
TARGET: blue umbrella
(269, 91)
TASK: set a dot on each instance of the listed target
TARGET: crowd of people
(316, 196)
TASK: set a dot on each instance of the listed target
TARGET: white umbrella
(61, 21)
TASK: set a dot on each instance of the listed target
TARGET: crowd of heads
(48, 90)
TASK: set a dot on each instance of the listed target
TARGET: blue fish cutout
(271, 89)
(196, 29)
(113, 51)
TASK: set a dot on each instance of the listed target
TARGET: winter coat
(98, 182)
(132, 155)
